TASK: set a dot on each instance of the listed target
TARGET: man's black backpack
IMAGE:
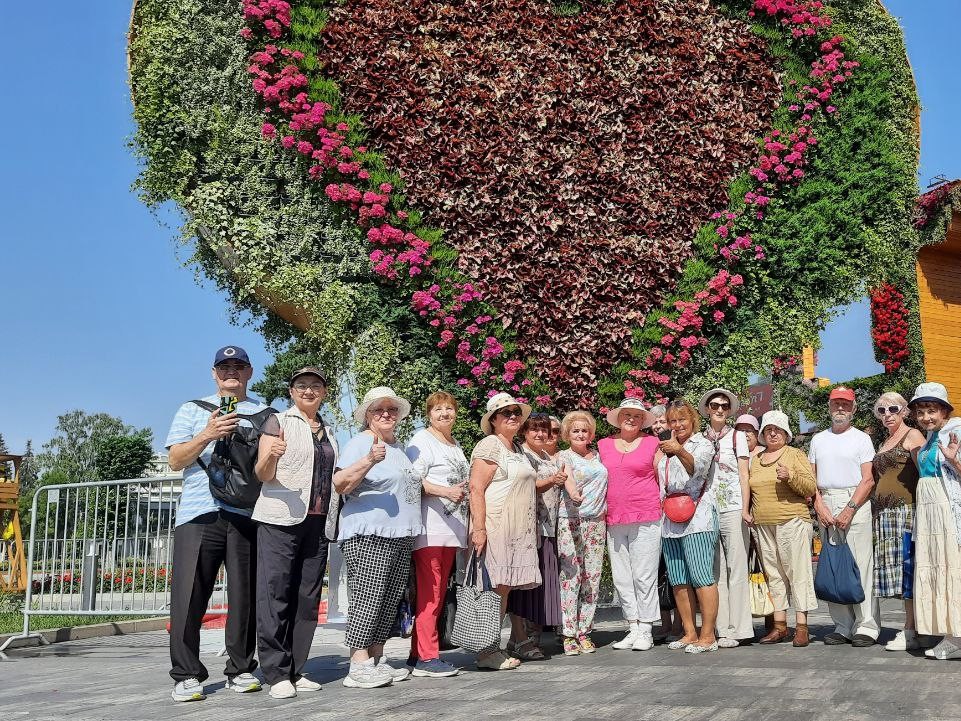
(231, 468)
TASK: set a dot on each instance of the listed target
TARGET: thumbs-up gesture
(378, 451)
(278, 446)
(783, 472)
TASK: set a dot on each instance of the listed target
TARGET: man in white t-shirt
(842, 457)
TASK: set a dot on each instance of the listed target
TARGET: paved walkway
(126, 678)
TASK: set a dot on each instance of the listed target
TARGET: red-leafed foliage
(931, 202)
(568, 160)
(889, 326)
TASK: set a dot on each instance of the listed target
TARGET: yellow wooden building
(939, 293)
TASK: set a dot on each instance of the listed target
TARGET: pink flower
(718, 316)
(268, 130)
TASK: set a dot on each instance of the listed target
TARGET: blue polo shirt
(195, 498)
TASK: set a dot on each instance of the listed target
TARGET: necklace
(760, 458)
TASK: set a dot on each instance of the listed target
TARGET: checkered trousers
(378, 569)
(894, 552)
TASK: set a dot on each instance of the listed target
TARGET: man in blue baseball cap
(210, 533)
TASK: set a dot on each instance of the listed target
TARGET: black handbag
(665, 594)
(448, 611)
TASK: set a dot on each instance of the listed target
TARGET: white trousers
(730, 569)
(635, 550)
(860, 618)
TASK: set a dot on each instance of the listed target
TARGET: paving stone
(124, 678)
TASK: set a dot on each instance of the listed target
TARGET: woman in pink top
(633, 520)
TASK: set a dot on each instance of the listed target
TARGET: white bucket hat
(379, 393)
(935, 392)
(732, 399)
(495, 403)
(778, 419)
(633, 404)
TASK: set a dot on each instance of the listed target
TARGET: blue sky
(98, 311)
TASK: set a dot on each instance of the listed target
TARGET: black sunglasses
(510, 412)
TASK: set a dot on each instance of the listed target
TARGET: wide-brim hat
(379, 393)
(778, 419)
(934, 392)
(498, 401)
(635, 405)
(732, 399)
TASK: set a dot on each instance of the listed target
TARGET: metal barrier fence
(104, 548)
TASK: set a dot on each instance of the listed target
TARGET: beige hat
(501, 400)
(633, 404)
(702, 404)
(376, 394)
(778, 419)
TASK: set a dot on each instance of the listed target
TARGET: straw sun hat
(377, 394)
(501, 400)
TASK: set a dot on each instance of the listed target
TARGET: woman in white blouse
(438, 459)
(683, 465)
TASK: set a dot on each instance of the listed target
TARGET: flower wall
(564, 233)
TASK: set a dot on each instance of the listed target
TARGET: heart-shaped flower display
(569, 160)
(585, 199)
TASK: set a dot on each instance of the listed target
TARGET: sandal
(527, 650)
(571, 646)
(497, 661)
(586, 644)
(694, 648)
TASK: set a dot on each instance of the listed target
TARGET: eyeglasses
(510, 412)
(717, 406)
(881, 411)
(230, 367)
(391, 411)
(303, 387)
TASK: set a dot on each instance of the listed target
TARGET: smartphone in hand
(665, 435)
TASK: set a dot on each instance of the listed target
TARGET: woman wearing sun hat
(937, 521)
(378, 523)
(781, 481)
(633, 520)
(732, 498)
(503, 509)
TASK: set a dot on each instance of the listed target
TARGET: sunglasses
(510, 412)
(716, 406)
(882, 411)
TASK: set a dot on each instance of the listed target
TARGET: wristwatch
(852, 505)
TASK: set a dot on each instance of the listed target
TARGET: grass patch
(13, 622)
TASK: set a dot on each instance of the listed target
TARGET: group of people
(677, 495)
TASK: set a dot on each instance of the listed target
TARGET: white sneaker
(395, 674)
(188, 690)
(906, 640)
(305, 684)
(283, 689)
(629, 640)
(365, 675)
(243, 683)
(643, 642)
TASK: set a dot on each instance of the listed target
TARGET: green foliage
(256, 225)
(828, 240)
(73, 451)
(122, 457)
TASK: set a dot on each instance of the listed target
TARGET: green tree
(6, 468)
(120, 457)
(28, 469)
(79, 435)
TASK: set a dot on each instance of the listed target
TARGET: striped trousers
(690, 559)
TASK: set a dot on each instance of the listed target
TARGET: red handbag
(680, 507)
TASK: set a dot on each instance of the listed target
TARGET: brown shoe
(801, 637)
(769, 623)
(778, 634)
